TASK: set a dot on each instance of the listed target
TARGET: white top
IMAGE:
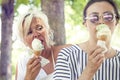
(22, 62)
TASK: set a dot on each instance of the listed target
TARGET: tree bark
(6, 39)
(54, 9)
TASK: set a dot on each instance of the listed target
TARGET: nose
(101, 21)
(35, 33)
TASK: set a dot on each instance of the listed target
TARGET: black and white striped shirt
(72, 61)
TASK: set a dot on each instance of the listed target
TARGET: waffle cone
(102, 37)
(37, 53)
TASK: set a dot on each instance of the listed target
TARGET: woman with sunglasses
(86, 61)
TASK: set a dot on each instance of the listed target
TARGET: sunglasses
(107, 17)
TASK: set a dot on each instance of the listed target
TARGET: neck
(47, 52)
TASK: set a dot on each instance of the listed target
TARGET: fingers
(36, 63)
(98, 59)
(96, 52)
(33, 62)
(35, 71)
(95, 58)
(33, 67)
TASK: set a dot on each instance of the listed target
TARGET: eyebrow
(36, 26)
(93, 13)
(107, 12)
(103, 12)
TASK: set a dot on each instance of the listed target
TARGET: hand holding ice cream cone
(103, 34)
(37, 48)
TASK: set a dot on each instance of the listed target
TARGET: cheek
(112, 27)
(91, 27)
(45, 36)
(28, 41)
(44, 33)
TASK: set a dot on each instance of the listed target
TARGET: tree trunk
(54, 9)
(6, 39)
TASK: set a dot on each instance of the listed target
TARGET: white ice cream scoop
(37, 45)
(103, 33)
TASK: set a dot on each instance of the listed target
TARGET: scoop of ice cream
(37, 45)
(103, 32)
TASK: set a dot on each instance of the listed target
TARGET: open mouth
(42, 41)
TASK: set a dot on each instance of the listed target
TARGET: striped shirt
(72, 61)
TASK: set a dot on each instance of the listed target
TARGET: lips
(42, 40)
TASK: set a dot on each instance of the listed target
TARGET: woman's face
(100, 13)
(37, 30)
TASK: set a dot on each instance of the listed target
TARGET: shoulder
(72, 51)
(62, 46)
(57, 49)
(118, 52)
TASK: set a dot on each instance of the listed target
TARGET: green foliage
(118, 3)
(18, 2)
(0, 2)
(36, 2)
(77, 6)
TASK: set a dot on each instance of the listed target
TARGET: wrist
(87, 74)
(26, 78)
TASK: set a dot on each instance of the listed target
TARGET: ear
(117, 21)
(85, 24)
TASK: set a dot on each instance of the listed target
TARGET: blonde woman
(34, 24)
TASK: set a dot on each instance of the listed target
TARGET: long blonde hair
(25, 21)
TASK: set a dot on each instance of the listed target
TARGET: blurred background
(65, 18)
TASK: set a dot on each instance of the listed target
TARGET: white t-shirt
(22, 62)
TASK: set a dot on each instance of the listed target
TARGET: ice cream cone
(102, 37)
(37, 48)
(103, 33)
(37, 53)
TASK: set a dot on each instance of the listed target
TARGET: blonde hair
(25, 21)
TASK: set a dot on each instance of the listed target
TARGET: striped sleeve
(62, 69)
(67, 66)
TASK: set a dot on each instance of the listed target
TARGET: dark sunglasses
(107, 17)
